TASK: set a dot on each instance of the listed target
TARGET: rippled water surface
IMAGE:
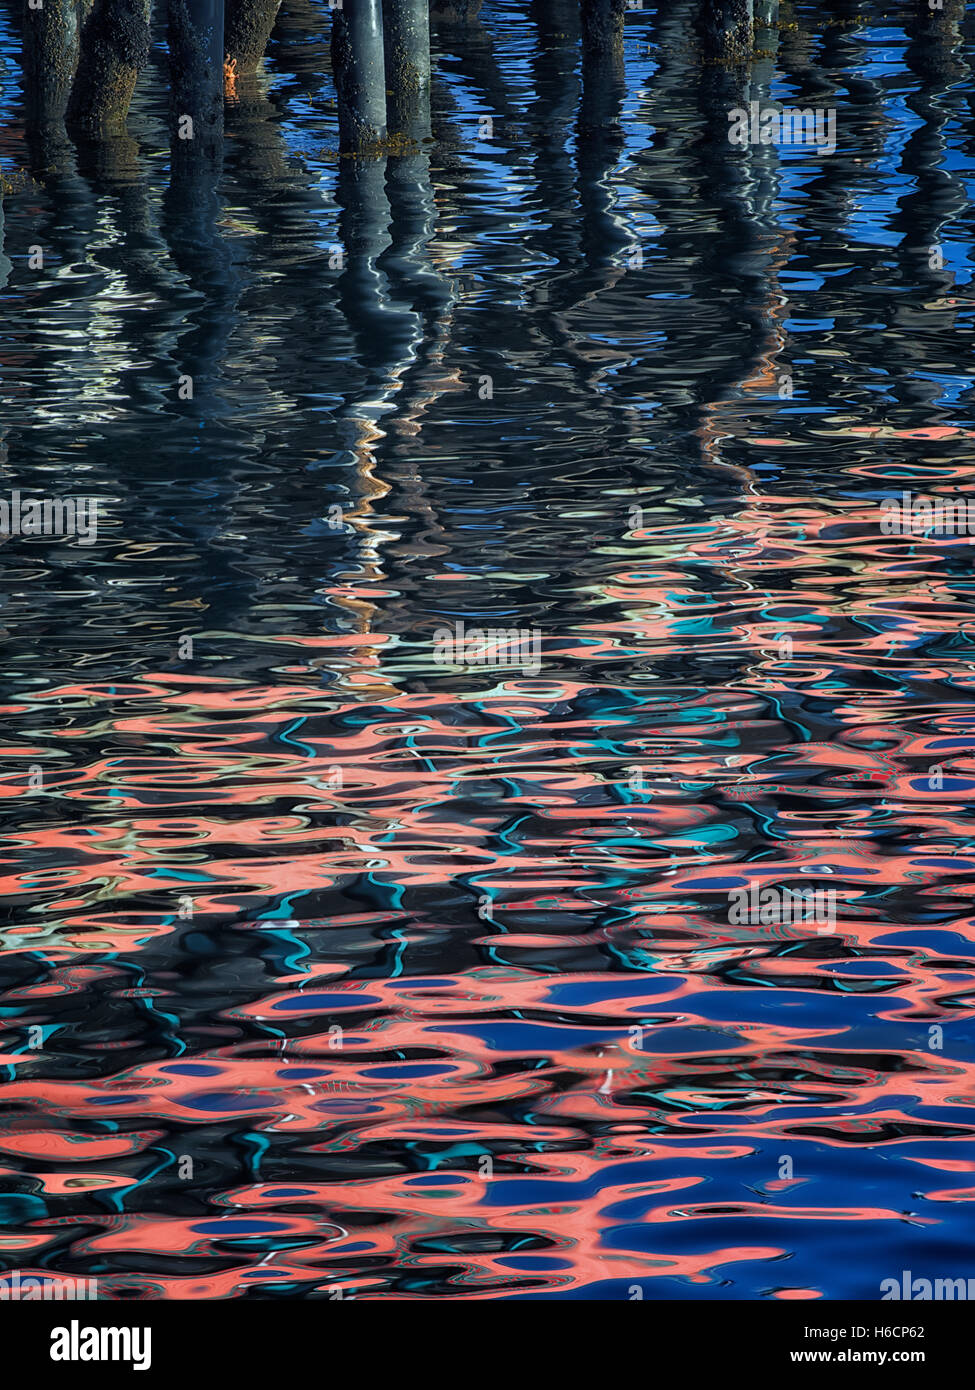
(327, 966)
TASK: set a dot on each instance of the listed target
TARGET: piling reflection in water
(356, 970)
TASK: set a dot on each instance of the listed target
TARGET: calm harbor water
(326, 966)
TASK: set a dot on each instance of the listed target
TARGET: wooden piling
(247, 28)
(406, 40)
(114, 48)
(455, 11)
(599, 136)
(196, 53)
(728, 28)
(5, 263)
(766, 39)
(359, 69)
(947, 18)
(52, 47)
(602, 26)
